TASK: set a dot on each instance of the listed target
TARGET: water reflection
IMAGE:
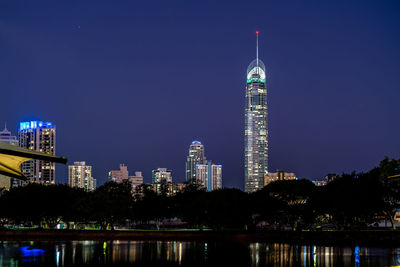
(174, 253)
(293, 255)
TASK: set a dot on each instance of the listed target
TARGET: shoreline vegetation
(378, 238)
(350, 208)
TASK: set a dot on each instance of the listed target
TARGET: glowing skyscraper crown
(256, 66)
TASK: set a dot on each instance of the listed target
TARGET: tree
(111, 203)
(193, 185)
(292, 196)
(190, 206)
(351, 200)
(227, 208)
(152, 206)
(388, 171)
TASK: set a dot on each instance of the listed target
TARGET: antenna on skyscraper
(257, 48)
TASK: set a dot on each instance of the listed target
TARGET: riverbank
(351, 238)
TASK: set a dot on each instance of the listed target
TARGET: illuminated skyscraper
(256, 130)
(209, 176)
(202, 175)
(215, 173)
(39, 136)
(196, 156)
(80, 175)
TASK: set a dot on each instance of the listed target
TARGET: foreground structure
(11, 158)
(5, 181)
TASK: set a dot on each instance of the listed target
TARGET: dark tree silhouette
(351, 201)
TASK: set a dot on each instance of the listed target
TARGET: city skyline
(200, 133)
(135, 83)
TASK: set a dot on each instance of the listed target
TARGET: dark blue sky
(136, 81)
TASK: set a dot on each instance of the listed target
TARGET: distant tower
(209, 175)
(119, 175)
(161, 176)
(80, 175)
(215, 176)
(38, 136)
(136, 180)
(196, 156)
(6, 137)
(256, 130)
(162, 181)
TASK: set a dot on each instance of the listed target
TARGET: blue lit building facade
(256, 130)
(38, 136)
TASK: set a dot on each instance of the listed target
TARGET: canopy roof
(11, 158)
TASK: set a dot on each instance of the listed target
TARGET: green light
(255, 80)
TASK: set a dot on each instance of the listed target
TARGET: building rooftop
(256, 67)
(196, 143)
(34, 124)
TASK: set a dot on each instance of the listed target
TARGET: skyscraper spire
(257, 47)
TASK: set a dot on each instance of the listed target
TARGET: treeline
(351, 201)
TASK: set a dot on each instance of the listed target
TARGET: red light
(257, 32)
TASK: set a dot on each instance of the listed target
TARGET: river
(176, 253)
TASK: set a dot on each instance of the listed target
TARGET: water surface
(175, 253)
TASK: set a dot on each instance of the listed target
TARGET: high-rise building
(136, 180)
(161, 175)
(279, 175)
(256, 130)
(209, 175)
(5, 181)
(162, 180)
(202, 175)
(38, 136)
(216, 176)
(119, 175)
(80, 175)
(122, 174)
(169, 189)
(196, 156)
(6, 137)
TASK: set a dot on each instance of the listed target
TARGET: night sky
(136, 82)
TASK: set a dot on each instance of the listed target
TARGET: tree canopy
(351, 201)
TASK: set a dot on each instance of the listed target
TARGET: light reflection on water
(175, 253)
